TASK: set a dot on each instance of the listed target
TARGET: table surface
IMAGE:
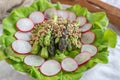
(110, 71)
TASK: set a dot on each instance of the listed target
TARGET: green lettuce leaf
(102, 40)
(20, 66)
(9, 23)
(41, 5)
(98, 19)
(99, 36)
(78, 10)
(2, 55)
(58, 5)
(110, 37)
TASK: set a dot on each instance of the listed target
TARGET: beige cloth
(110, 71)
(7, 5)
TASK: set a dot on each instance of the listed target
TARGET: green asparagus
(35, 48)
(44, 52)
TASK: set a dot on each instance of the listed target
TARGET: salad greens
(102, 41)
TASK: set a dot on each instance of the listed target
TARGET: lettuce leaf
(2, 55)
(110, 37)
(9, 23)
(78, 10)
(99, 19)
(104, 38)
(58, 5)
(41, 5)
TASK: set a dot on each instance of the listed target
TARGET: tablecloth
(110, 71)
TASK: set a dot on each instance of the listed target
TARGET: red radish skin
(46, 67)
(22, 35)
(24, 31)
(81, 20)
(69, 62)
(34, 60)
(88, 37)
(50, 12)
(62, 13)
(21, 47)
(19, 53)
(71, 16)
(86, 56)
(84, 63)
(86, 27)
(24, 25)
(37, 17)
(89, 48)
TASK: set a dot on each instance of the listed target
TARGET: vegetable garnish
(88, 37)
(34, 60)
(36, 17)
(21, 46)
(50, 68)
(23, 35)
(69, 64)
(55, 43)
(83, 57)
(24, 25)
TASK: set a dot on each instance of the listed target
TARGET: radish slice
(33, 60)
(69, 64)
(86, 27)
(89, 48)
(50, 12)
(24, 25)
(71, 16)
(50, 68)
(23, 36)
(81, 20)
(37, 17)
(88, 37)
(62, 13)
(82, 58)
(21, 46)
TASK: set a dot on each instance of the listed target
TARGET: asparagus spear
(51, 48)
(35, 48)
(62, 44)
(47, 39)
(44, 52)
(57, 40)
(41, 41)
(69, 45)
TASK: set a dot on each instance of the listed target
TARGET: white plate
(110, 71)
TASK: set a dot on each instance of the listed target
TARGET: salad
(49, 42)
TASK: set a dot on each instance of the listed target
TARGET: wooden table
(7, 73)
